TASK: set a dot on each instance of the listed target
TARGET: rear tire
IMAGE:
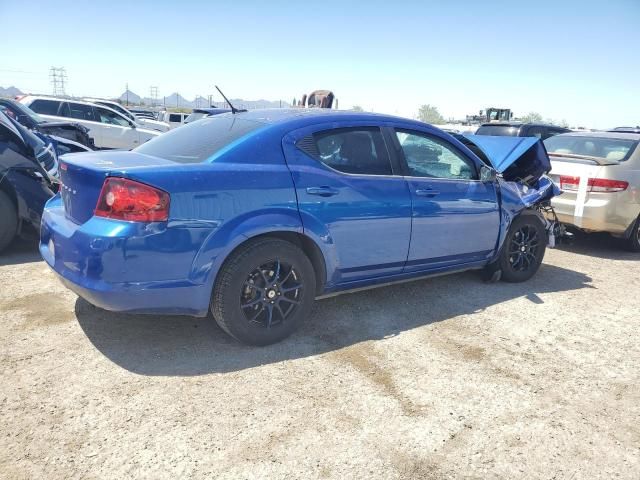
(633, 243)
(8, 221)
(264, 291)
(523, 249)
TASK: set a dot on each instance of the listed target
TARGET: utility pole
(127, 92)
(58, 77)
(153, 91)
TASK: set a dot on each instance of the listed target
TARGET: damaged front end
(522, 165)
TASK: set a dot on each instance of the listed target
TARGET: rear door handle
(322, 191)
(427, 192)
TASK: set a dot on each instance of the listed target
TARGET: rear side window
(175, 117)
(195, 142)
(45, 107)
(359, 151)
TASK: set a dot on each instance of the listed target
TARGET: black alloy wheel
(271, 294)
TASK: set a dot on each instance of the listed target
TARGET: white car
(142, 121)
(174, 119)
(108, 128)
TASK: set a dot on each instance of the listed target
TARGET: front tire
(264, 291)
(8, 221)
(523, 249)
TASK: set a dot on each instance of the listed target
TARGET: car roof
(274, 116)
(61, 99)
(81, 102)
(622, 135)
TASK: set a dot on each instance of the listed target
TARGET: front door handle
(322, 191)
(427, 192)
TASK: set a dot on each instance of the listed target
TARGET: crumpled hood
(521, 159)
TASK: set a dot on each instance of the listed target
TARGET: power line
(58, 76)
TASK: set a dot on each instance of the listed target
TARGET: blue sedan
(253, 215)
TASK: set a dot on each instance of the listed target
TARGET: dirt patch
(533, 380)
(41, 309)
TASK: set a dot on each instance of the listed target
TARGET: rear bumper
(602, 213)
(122, 266)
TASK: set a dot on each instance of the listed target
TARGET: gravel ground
(442, 378)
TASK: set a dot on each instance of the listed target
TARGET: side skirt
(361, 285)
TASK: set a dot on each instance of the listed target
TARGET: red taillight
(604, 185)
(593, 184)
(125, 199)
(569, 183)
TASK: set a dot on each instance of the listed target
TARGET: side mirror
(487, 174)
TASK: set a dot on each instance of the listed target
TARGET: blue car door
(350, 199)
(455, 216)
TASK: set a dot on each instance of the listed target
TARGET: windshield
(498, 130)
(195, 142)
(616, 149)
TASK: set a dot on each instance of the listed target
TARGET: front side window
(45, 107)
(112, 118)
(359, 151)
(82, 112)
(118, 109)
(175, 117)
(428, 156)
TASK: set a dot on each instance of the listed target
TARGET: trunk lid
(83, 174)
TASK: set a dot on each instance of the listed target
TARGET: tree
(532, 117)
(357, 108)
(430, 114)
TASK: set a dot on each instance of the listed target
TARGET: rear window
(498, 130)
(195, 142)
(617, 149)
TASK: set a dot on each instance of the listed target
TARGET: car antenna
(233, 109)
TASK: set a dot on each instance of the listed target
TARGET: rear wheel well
(308, 246)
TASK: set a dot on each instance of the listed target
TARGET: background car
(599, 173)
(143, 121)
(515, 129)
(626, 129)
(109, 129)
(142, 113)
(24, 184)
(199, 113)
(175, 119)
(64, 129)
(254, 214)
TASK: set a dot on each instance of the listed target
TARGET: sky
(568, 60)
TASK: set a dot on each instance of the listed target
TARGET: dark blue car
(25, 185)
(253, 215)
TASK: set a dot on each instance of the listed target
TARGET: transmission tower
(58, 76)
(153, 91)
